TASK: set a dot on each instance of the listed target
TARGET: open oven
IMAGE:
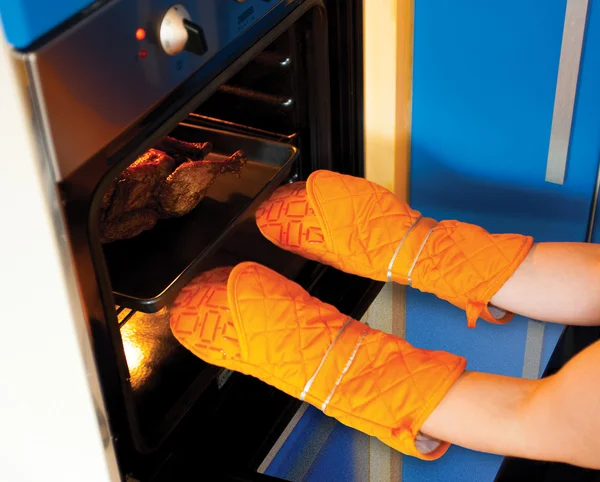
(280, 81)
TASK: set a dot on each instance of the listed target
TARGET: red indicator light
(140, 34)
(143, 54)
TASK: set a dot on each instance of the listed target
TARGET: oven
(279, 80)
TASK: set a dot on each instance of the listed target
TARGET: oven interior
(276, 109)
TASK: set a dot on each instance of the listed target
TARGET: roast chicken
(182, 150)
(168, 181)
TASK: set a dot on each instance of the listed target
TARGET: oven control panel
(99, 76)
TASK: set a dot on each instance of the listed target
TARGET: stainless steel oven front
(280, 82)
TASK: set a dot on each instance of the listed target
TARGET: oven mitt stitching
(362, 224)
(385, 388)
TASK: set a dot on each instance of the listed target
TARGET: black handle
(196, 40)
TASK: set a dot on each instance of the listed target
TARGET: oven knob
(178, 33)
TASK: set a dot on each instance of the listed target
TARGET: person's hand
(362, 228)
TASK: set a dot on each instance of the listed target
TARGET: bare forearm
(481, 412)
(557, 282)
(554, 419)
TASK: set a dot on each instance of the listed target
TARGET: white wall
(49, 429)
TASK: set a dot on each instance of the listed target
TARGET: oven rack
(234, 127)
(124, 314)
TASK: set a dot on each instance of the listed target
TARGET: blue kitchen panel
(340, 459)
(458, 465)
(288, 454)
(483, 97)
(585, 136)
(438, 325)
(25, 21)
(320, 449)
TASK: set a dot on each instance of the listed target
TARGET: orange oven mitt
(252, 320)
(362, 228)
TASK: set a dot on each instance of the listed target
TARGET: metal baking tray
(148, 271)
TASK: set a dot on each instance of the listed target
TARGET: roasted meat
(181, 192)
(137, 184)
(128, 225)
(107, 199)
(161, 184)
(182, 150)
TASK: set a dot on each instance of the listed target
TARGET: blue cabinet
(484, 84)
(25, 21)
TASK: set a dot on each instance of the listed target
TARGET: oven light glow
(134, 354)
(140, 34)
(138, 350)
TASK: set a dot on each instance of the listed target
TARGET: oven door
(281, 81)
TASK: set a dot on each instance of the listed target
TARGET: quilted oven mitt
(362, 228)
(253, 320)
